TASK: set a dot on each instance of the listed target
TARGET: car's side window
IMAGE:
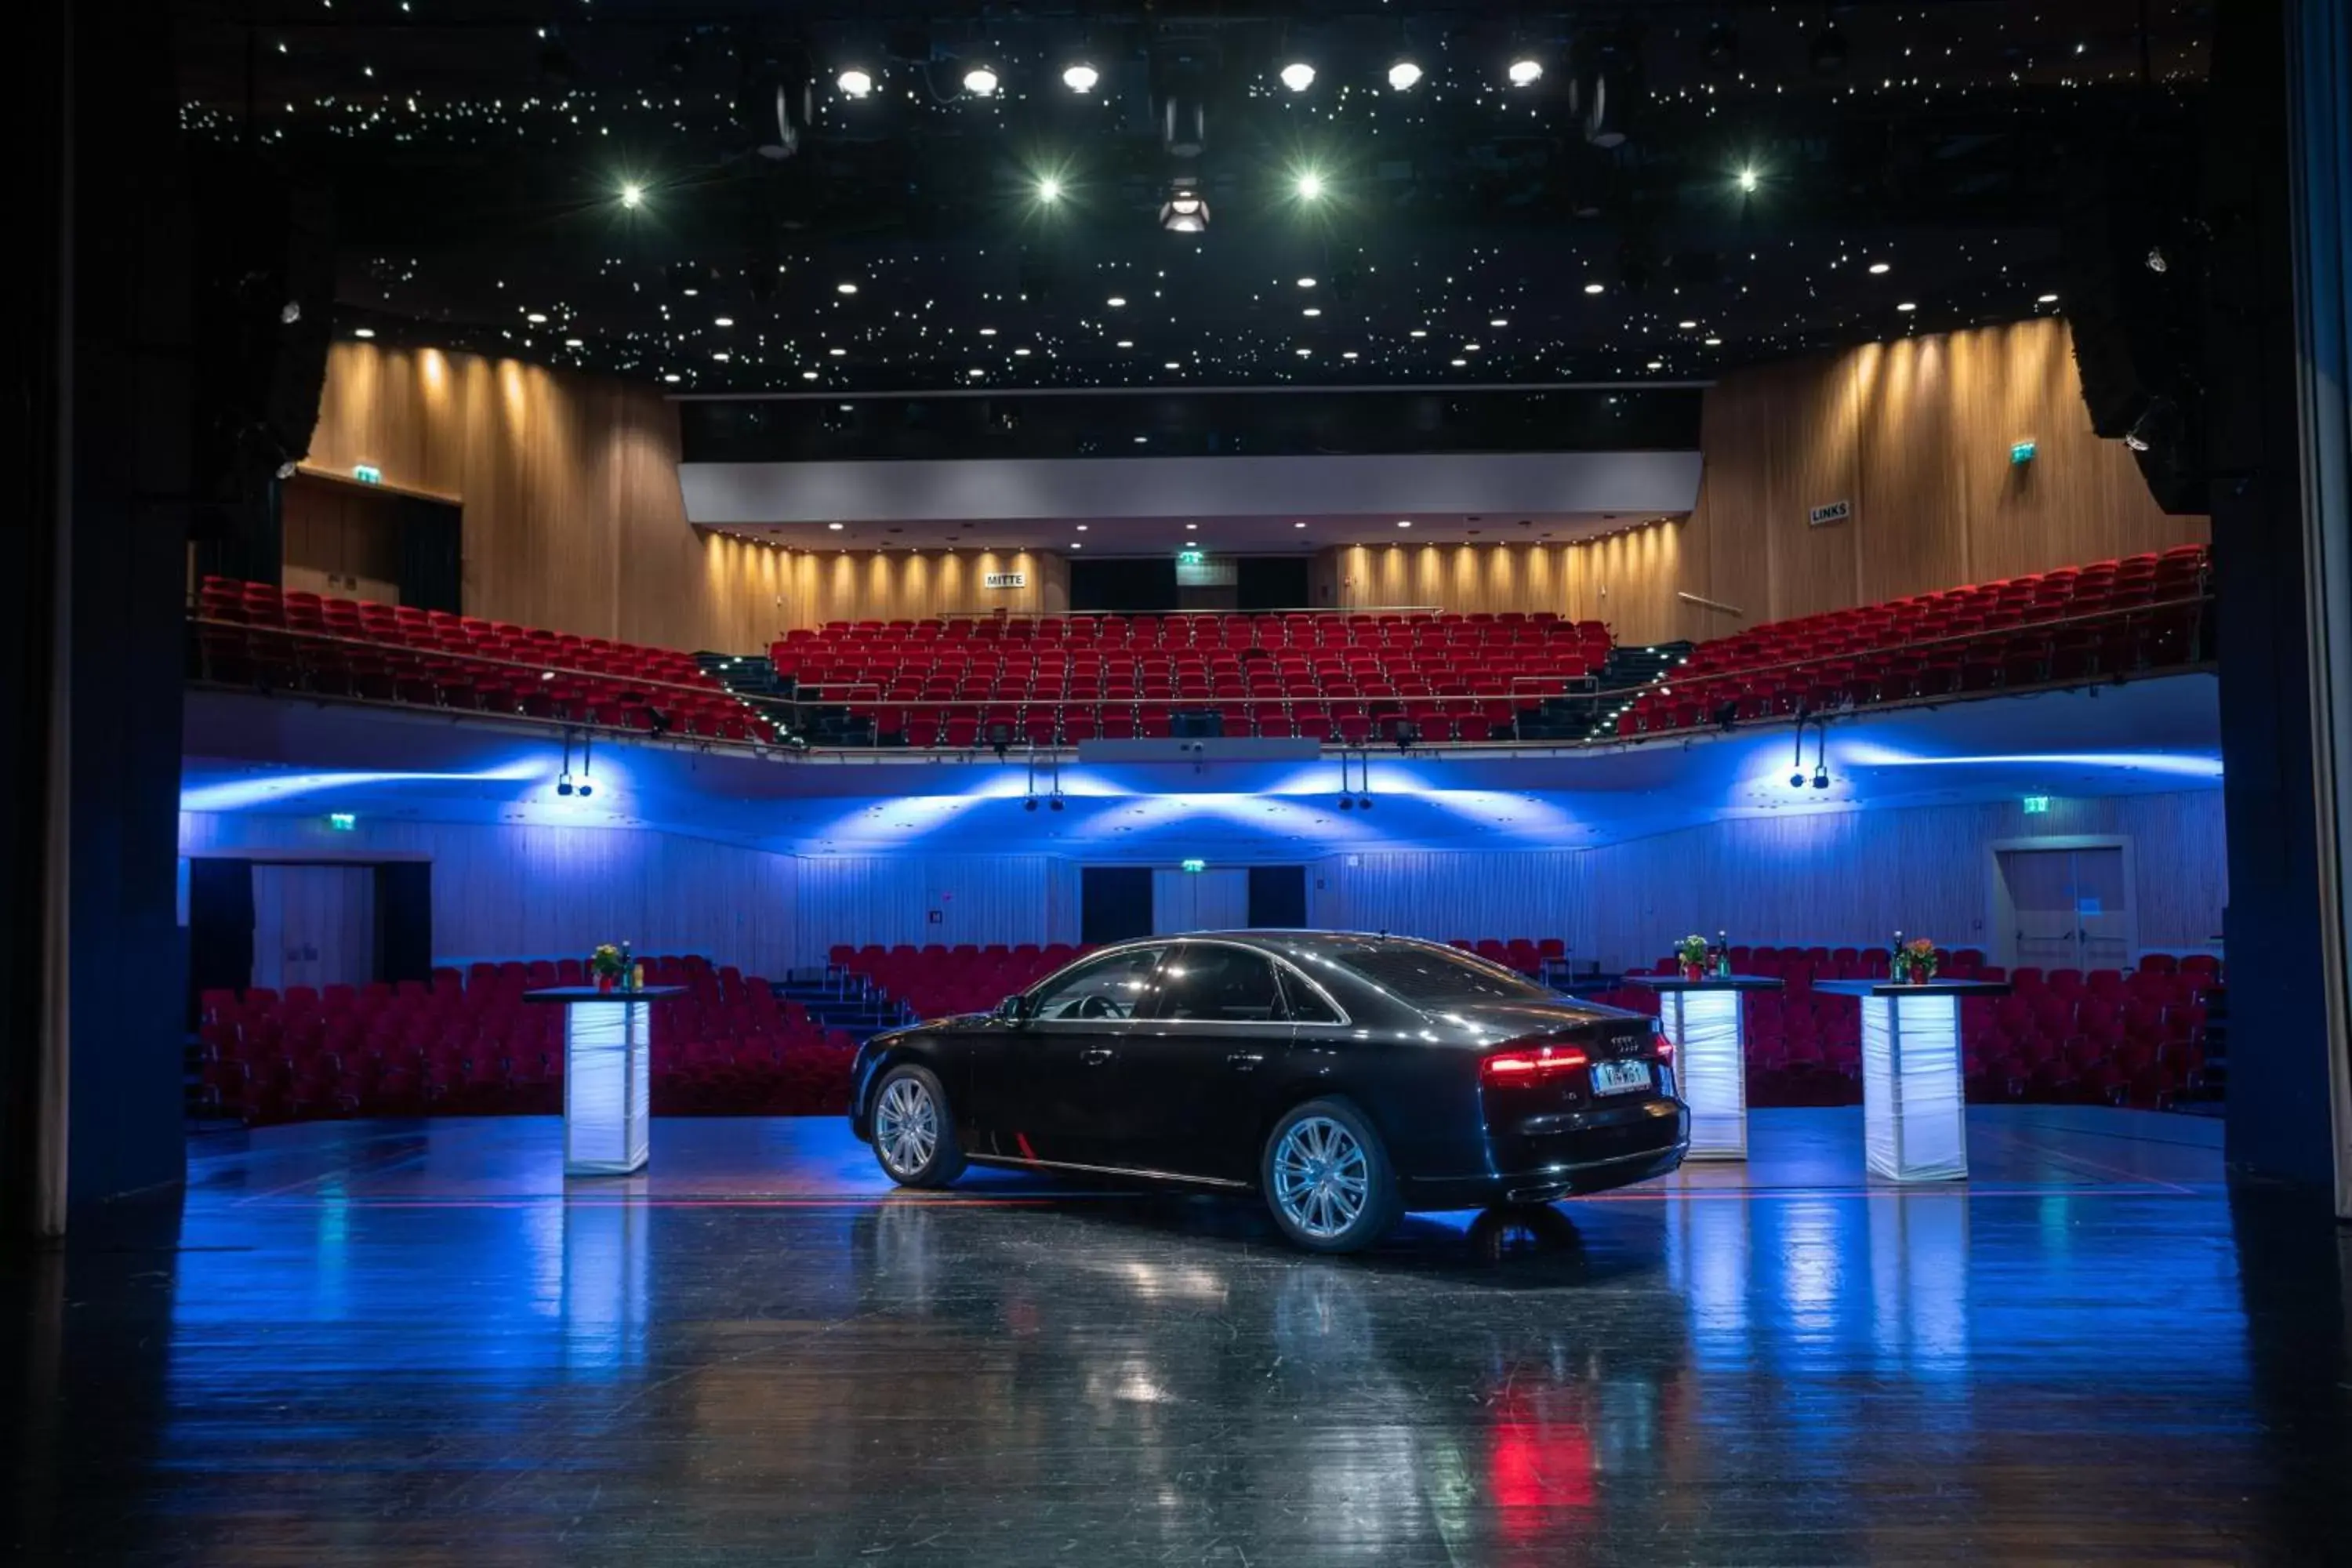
(1116, 986)
(1209, 982)
(1307, 1003)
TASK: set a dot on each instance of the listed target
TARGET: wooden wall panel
(979, 899)
(569, 485)
(1810, 426)
(1910, 532)
(881, 586)
(1836, 878)
(529, 892)
(1915, 432)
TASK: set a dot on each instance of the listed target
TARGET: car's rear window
(1415, 973)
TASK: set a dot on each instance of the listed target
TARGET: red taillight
(1663, 1046)
(1529, 1064)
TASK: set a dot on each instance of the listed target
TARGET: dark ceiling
(1468, 232)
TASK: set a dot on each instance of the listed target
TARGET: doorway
(313, 925)
(345, 538)
(2065, 905)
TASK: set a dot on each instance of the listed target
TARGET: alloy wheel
(1321, 1177)
(906, 1126)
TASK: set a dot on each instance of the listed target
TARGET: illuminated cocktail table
(1706, 1021)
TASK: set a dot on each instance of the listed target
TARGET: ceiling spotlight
(844, 288)
(1594, 287)
(362, 332)
(1525, 71)
(1185, 210)
(1312, 310)
(633, 195)
(1907, 306)
(586, 789)
(2045, 299)
(1687, 326)
(1404, 522)
(1747, 179)
(1713, 342)
(1298, 76)
(1499, 321)
(723, 321)
(1298, 525)
(1820, 775)
(2157, 261)
(1797, 779)
(854, 83)
(1878, 268)
(1402, 75)
(1049, 189)
(833, 526)
(1418, 332)
(1084, 526)
(1081, 78)
(981, 82)
(1310, 186)
(1125, 343)
(1055, 804)
(1117, 301)
(1307, 282)
(1363, 802)
(1029, 805)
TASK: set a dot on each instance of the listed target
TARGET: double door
(2071, 907)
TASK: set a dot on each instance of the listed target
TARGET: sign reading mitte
(1006, 580)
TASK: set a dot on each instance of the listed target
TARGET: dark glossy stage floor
(412, 1343)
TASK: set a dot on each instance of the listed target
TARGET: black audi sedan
(1347, 1078)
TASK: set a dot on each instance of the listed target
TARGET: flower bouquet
(609, 965)
(1692, 952)
(1913, 962)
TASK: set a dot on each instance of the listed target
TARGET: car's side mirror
(1011, 1010)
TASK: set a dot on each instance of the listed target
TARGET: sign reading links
(1006, 580)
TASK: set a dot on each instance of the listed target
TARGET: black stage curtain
(1114, 903)
(1277, 898)
(220, 926)
(403, 919)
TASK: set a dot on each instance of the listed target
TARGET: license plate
(1616, 1078)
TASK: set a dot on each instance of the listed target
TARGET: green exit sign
(342, 821)
(2036, 804)
(1196, 864)
(2021, 452)
(368, 474)
(1188, 557)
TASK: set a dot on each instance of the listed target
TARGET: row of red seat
(467, 1043)
(937, 981)
(251, 634)
(1205, 629)
(2101, 621)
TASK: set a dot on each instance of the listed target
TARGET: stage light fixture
(1185, 210)
(586, 789)
(1747, 179)
(1347, 803)
(1363, 802)
(1055, 804)
(1878, 269)
(1525, 71)
(1029, 805)
(1310, 186)
(1797, 779)
(2157, 261)
(564, 784)
(363, 332)
(1820, 775)
(1081, 78)
(1403, 75)
(1049, 190)
(633, 195)
(854, 83)
(981, 82)
(1298, 76)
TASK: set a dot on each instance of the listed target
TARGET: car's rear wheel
(914, 1136)
(1327, 1177)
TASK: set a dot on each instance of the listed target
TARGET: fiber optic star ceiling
(889, 198)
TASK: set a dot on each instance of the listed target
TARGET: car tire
(1327, 1177)
(913, 1129)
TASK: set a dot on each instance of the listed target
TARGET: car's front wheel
(914, 1136)
(1327, 1177)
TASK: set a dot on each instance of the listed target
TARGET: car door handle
(1095, 1056)
(1245, 1061)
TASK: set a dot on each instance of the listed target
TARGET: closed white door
(1199, 901)
(313, 925)
(2072, 908)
